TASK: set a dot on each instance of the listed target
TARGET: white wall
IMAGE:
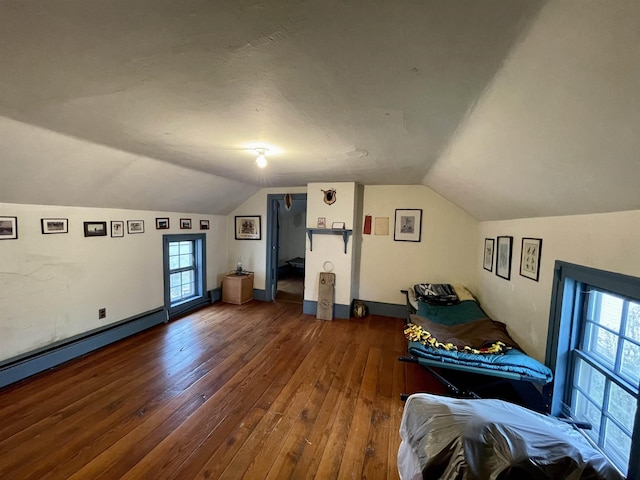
(446, 253)
(330, 248)
(253, 252)
(608, 241)
(51, 286)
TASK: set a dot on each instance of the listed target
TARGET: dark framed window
(594, 350)
(184, 272)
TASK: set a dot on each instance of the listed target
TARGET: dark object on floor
(360, 309)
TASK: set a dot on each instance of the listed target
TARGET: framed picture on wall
(162, 223)
(8, 228)
(408, 227)
(530, 258)
(135, 226)
(487, 263)
(503, 257)
(95, 229)
(185, 224)
(55, 225)
(204, 224)
(117, 228)
(248, 227)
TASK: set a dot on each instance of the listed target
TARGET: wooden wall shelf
(346, 233)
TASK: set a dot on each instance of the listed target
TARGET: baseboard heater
(23, 366)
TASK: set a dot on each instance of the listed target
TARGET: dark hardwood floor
(253, 391)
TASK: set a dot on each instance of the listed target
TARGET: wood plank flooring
(253, 391)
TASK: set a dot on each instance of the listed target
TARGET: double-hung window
(594, 348)
(184, 272)
(604, 386)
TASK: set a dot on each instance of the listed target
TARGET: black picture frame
(162, 223)
(95, 229)
(530, 258)
(408, 225)
(247, 227)
(117, 228)
(52, 226)
(8, 228)
(185, 224)
(204, 224)
(135, 226)
(489, 248)
(504, 247)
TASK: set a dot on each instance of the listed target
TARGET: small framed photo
(95, 229)
(117, 228)
(135, 226)
(162, 223)
(503, 257)
(204, 224)
(322, 222)
(487, 263)
(8, 228)
(185, 223)
(55, 225)
(338, 225)
(248, 227)
(408, 226)
(530, 258)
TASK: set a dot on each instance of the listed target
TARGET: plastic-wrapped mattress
(486, 439)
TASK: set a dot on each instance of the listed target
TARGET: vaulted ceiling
(508, 108)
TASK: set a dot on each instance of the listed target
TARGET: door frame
(271, 270)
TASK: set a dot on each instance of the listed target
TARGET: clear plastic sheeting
(486, 439)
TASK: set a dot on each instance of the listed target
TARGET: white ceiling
(508, 108)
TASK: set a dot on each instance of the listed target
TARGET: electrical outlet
(102, 313)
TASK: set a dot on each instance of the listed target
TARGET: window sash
(594, 354)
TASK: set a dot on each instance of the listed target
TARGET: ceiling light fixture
(261, 159)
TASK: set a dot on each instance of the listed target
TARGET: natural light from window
(606, 377)
(182, 271)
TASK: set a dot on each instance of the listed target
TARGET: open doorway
(286, 245)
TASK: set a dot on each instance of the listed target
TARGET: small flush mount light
(261, 159)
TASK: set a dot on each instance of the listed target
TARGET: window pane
(175, 293)
(590, 381)
(633, 321)
(185, 247)
(174, 262)
(174, 248)
(174, 280)
(186, 260)
(187, 277)
(610, 312)
(622, 406)
(583, 409)
(630, 361)
(601, 342)
(617, 445)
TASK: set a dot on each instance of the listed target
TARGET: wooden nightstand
(237, 288)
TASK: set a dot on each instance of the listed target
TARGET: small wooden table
(237, 288)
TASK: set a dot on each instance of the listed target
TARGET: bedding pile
(436, 293)
(456, 439)
(483, 336)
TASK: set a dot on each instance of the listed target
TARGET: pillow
(463, 293)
